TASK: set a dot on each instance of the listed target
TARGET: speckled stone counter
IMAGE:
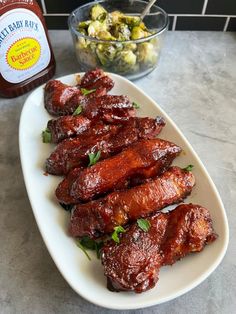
(195, 83)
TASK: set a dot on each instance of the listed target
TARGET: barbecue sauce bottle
(26, 57)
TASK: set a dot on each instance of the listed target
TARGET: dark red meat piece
(95, 79)
(134, 263)
(61, 99)
(108, 108)
(99, 217)
(67, 126)
(111, 109)
(73, 152)
(111, 139)
(105, 176)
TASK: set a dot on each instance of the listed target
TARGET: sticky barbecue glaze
(118, 208)
(134, 263)
(108, 139)
(62, 99)
(144, 159)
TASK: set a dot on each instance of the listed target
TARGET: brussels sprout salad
(120, 56)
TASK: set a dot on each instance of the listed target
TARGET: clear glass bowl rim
(73, 14)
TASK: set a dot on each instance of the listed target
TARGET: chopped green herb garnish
(144, 224)
(117, 230)
(188, 168)
(99, 245)
(93, 158)
(89, 244)
(47, 136)
(87, 91)
(136, 105)
(83, 249)
(78, 110)
(67, 207)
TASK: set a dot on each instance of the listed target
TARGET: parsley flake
(93, 158)
(85, 91)
(143, 224)
(188, 168)
(87, 243)
(78, 110)
(136, 105)
(67, 207)
(47, 136)
(83, 249)
(115, 234)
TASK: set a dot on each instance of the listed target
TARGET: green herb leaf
(117, 230)
(93, 158)
(98, 247)
(143, 224)
(47, 136)
(136, 105)
(87, 91)
(83, 249)
(78, 110)
(188, 168)
(67, 207)
(86, 243)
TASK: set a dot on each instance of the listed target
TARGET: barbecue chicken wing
(134, 263)
(99, 217)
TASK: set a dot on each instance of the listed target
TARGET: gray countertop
(195, 83)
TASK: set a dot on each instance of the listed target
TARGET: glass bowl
(131, 58)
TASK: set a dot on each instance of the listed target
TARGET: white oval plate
(84, 276)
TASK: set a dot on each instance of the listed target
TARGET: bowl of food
(110, 34)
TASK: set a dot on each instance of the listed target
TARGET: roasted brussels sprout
(105, 35)
(130, 20)
(130, 46)
(84, 24)
(95, 27)
(143, 26)
(115, 17)
(146, 53)
(83, 31)
(86, 55)
(98, 13)
(121, 32)
(82, 43)
(106, 54)
(121, 55)
(138, 33)
(125, 61)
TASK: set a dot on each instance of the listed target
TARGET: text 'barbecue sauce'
(26, 57)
